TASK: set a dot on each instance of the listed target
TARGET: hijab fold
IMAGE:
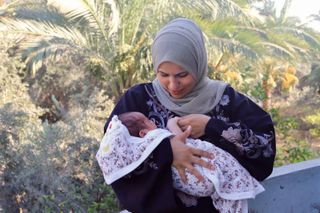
(181, 42)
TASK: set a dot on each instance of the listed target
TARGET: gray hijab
(181, 42)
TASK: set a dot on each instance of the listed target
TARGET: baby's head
(137, 123)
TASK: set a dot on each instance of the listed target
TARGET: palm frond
(231, 8)
(303, 52)
(217, 8)
(224, 28)
(284, 9)
(38, 53)
(262, 33)
(44, 29)
(204, 6)
(132, 14)
(311, 40)
(114, 17)
(207, 9)
(277, 49)
(24, 4)
(9, 9)
(248, 38)
(233, 46)
(94, 14)
(45, 14)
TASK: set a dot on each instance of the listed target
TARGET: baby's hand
(172, 125)
(173, 121)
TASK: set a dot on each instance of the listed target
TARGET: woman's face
(175, 80)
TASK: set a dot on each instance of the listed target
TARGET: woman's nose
(173, 84)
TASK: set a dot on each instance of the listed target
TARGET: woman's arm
(246, 131)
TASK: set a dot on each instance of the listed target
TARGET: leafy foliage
(314, 120)
(50, 167)
(313, 78)
(111, 36)
(292, 149)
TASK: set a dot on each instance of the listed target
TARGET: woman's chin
(177, 96)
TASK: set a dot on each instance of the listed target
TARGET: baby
(229, 184)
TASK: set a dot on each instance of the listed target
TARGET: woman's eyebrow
(181, 72)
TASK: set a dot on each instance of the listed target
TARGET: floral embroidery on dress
(157, 112)
(224, 100)
(246, 141)
(249, 144)
(267, 152)
(232, 135)
(256, 145)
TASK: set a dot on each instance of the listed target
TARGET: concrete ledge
(293, 188)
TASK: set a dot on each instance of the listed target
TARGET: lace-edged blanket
(119, 153)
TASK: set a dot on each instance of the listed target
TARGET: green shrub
(50, 167)
(315, 121)
(292, 150)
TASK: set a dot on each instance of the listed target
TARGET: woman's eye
(182, 75)
(163, 74)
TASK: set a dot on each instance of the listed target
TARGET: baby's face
(149, 125)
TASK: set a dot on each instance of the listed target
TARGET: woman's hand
(198, 122)
(184, 157)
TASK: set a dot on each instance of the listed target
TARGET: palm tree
(271, 43)
(112, 36)
(92, 30)
(294, 41)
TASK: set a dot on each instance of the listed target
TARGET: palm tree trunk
(267, 90)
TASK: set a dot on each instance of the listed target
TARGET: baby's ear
(143, 132)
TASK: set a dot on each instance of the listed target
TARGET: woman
(214, 110)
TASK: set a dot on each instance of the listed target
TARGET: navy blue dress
(237, 125)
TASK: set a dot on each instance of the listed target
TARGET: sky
(302, 9)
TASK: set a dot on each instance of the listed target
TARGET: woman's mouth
(175, 92)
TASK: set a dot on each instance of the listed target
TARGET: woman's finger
(203, 163)
(183, 121)
(195, 172)
(183, 128)
(182, 174)
(202, 153)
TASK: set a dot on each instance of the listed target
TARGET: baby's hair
(134, 126)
